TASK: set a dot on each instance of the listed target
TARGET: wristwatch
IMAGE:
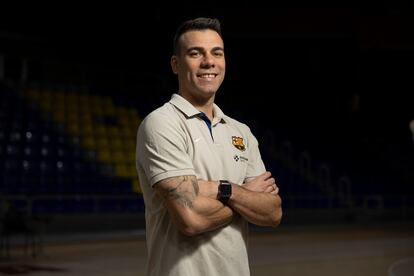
(224, 191)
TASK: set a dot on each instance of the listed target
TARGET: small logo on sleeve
(238, 143)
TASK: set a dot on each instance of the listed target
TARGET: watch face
(224, 191)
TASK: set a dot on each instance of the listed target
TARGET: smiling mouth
(207, 76)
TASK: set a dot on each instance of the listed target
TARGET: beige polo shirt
(175, 140)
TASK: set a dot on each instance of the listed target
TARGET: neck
(208, 110)
(202, 104)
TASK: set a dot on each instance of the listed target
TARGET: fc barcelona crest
(238, 143)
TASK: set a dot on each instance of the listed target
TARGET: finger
(265, 175)
(275, 192)
(273, 189)
(269, 181)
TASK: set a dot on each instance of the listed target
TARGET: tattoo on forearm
(183, 194)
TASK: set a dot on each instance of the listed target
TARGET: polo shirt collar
(190, 111)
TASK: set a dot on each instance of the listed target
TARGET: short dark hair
(200, 23)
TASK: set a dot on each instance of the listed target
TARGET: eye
(194, 53)
(218, 53)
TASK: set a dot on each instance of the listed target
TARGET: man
(200, 171)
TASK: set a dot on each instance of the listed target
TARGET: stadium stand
(67, 153)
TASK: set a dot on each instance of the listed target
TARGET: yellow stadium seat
(104, 155)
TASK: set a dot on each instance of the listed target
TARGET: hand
(263, 183)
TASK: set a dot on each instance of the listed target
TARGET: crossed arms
(194, 208)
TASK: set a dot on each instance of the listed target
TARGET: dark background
(335, 79)
(313, 58)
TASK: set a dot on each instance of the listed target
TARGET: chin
(208, 93)
(208, 90)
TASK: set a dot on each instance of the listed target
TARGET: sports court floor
(366, 250)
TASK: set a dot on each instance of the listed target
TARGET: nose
(208, 61)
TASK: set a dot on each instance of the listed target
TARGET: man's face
(200, 63)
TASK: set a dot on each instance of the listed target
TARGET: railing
(365, 207)
(76, 204)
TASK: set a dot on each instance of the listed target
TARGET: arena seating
(67, 152)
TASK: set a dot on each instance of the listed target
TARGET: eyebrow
(201, 49)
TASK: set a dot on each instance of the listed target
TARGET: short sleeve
(162, 149)
(255, 166)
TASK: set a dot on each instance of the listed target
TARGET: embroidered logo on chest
(238, 143)
(240, 158)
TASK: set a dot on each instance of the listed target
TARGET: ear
(174, 64)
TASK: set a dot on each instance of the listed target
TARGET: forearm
(259, 208)
(190, 207)
(206, 215)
